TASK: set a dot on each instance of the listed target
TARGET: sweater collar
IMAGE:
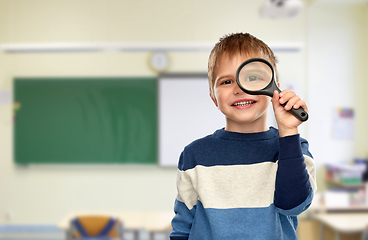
(271, 133)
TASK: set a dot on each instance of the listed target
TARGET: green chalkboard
(85, 120)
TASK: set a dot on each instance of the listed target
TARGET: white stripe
(235, 186)
(186, 191)
(311, 168)
(225, 187)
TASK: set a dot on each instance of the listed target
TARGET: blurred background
(322, 50)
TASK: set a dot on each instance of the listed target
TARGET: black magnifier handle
(299, 113)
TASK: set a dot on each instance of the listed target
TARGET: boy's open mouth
(243, 103)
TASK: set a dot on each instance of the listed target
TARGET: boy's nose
(237, 89)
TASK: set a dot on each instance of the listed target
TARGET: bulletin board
(85, 120)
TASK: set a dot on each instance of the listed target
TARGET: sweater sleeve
(182, 221)
(293, 188)
(185, 204)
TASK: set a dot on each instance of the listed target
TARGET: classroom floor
(59, 235)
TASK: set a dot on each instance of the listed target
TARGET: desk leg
(321, 231)
(337, 235)
(364, 235)
(68, 235)
(136, 234)
(151, 235)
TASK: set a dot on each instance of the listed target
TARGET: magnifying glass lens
(255, 76)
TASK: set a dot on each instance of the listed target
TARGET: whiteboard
(186, 113)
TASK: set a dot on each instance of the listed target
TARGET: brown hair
(238, 43)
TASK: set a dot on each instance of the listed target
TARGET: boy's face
(243, 112)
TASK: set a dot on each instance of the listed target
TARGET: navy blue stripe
(292, 180)
(178, 238)
(290, 147)
(220, 149)
(230, 148)
(305, 147)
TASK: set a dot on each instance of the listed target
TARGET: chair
(96, 228)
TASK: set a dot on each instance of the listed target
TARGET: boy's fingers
(285, 92)
(301, 104)
(287, 96)
(275, 99)
(291, 99)
(291, 102)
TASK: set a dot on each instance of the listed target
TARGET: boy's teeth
(243, 103)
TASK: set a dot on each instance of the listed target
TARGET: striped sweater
(243, 186)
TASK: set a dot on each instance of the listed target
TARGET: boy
(245, 181)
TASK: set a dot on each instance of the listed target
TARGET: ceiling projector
(281, 8)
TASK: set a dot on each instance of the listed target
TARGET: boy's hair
(238, 43)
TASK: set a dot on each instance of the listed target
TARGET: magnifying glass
(256, 76)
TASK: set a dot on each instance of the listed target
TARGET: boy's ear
(213, 99)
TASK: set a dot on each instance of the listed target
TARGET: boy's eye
(252, 78)
(227, 82)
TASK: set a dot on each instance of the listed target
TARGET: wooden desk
(150, 221)
(348, 223)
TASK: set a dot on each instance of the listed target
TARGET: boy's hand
(286, 121)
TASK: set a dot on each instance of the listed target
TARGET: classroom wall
(44, 194)
(337, 73)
